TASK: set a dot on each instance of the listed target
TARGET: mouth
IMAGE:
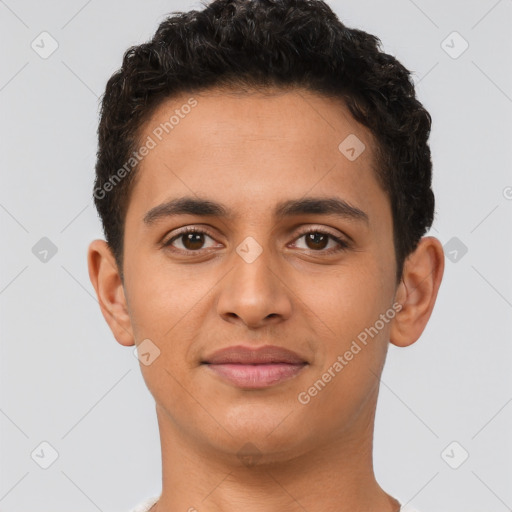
(250, 368)
(256, 376)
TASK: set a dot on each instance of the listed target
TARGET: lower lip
(256, 376)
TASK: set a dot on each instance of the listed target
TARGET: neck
(334, 475)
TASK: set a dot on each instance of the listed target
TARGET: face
(294, 249)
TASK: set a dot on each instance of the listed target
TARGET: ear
(417, 291)
(105, 278)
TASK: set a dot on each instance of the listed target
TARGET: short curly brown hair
(263, 44)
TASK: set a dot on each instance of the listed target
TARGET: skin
(250, 151)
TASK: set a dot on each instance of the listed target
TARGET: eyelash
(342, 244)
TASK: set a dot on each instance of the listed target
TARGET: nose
(254, 293)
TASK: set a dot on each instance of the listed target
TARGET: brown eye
(316, 240)
(191, 239)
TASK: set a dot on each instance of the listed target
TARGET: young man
(264, 183)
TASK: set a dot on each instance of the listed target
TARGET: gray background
(66, 381)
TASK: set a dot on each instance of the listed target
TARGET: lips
(251, 368)
(263, 355)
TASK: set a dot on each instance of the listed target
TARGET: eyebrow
(293, 207)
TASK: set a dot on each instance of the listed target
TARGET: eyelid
(313, 228)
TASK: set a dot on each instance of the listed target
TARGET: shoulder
(145, 505)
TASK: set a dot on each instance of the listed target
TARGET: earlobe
(417, 292)
(105, 278)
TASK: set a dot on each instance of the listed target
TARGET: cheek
(351, 298)
(163, 297)
(164, 304)
(353, 346)
(351, 306)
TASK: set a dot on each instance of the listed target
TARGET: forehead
(252, 149)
